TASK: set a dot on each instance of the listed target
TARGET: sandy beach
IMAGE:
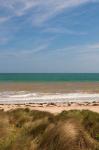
(46, 87)
(55, 107)
(11, 91)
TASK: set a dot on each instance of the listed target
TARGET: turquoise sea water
(49, 77)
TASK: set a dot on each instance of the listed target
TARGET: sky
(49, 36)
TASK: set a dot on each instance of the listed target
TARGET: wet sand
(62, 87)
(50, 87)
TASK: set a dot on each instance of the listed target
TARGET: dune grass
(23, 129)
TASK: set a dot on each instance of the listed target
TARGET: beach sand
(54, 107)
(47, 87)
(53, 87)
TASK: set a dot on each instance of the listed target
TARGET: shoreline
(50, 86)
(42, 96)
(54, 107)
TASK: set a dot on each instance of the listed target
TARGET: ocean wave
(20, 97)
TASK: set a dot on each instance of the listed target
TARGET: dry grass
(22, 129)
(67, 135)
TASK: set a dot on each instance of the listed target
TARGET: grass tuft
(23, 129)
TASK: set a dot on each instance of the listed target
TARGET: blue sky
(49, 36)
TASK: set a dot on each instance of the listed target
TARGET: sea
(49, 77)
(22, 88)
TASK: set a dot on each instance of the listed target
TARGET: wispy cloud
(83, 49)
(43, 34)
(49, 9)
(63, 31)
(73, 49)
(43, 10)
(37, 13)
(25, 53)
(3, 19)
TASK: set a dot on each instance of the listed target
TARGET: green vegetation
(23, 129)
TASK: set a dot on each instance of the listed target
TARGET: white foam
(12, 97)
